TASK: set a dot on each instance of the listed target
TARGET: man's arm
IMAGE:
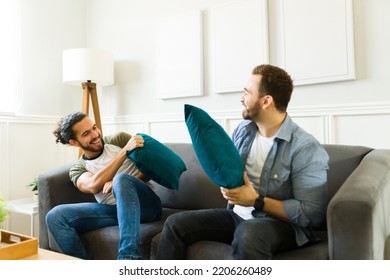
(309, 183)
(89, 182)
(246, 195)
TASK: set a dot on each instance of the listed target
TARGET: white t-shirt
(98, 163)
(254, 166)
(112, 146)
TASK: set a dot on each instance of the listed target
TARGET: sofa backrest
(343, 160)
(196, 190)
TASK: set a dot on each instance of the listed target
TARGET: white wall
(48, 27)
(353, 112)
(27, 145)
(130, 34)
(350, 112)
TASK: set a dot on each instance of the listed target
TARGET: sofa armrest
(54, 188)
(359, 213)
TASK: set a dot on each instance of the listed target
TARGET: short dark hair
(64, 132)
(275, 82)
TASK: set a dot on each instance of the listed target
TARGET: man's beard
(251, 113)
(91, 149)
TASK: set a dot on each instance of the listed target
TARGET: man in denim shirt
(285, 190)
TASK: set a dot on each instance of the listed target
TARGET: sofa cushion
(158, 162)
(316, 251)
(196, 190)
(214, 148)
(102, 244)
(201, 250)
(209, 250)
(213, 250)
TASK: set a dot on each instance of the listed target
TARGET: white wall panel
(129, 127)
(32, 150)
(318, 40)
(179, 62)
(313, 125)
(366, 130)
(4, 164)
(231, 124)
(170, 132)
(239, 42)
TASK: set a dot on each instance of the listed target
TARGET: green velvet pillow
(158, 162)
(214, 148)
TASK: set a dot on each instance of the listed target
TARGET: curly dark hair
(64, 132)
(275, 82)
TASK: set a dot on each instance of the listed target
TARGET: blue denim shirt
(295, 172)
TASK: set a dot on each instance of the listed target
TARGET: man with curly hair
(124, 196)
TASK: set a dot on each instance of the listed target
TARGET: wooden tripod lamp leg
(85, 106)
(95, 106)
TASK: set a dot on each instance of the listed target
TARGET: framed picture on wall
(238, 42)
(317, 44)
(179, 56)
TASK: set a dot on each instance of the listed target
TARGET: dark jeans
(136, 203)
(258, 238)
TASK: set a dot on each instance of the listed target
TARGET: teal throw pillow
(158, 162)
(214, 148)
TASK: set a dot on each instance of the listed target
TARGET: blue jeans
(136, 203)
(258, 238)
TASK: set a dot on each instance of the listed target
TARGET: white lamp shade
(84, 64)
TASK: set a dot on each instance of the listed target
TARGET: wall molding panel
(4, 159)
(339, 124)
(330, 124)
(29, 119)
(28, 148)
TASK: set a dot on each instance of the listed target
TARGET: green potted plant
(3, 210)
(33, 186)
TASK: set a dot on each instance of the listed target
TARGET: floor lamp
(88, 68)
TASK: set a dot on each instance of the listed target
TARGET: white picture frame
(239, 42)
(318, 41)
(179, 56)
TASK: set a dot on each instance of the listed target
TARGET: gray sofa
(358, 214)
